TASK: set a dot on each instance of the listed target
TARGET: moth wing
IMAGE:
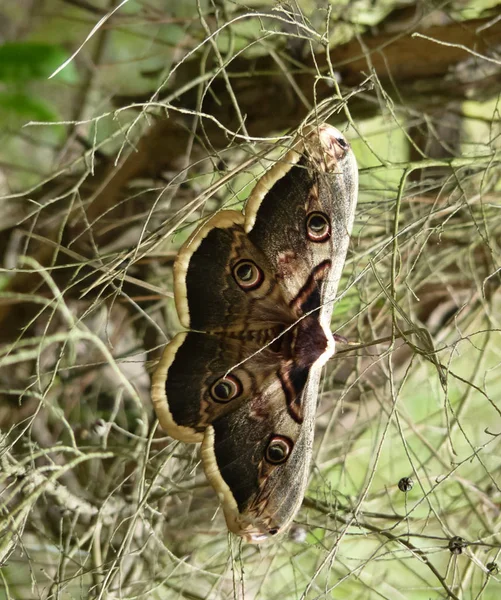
(275, 405)
(315, 181)
(260, 498)
(223, 283)
(185, 391)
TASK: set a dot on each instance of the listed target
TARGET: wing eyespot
(247, 275)
(278, 449)
(318, 228)
(225, 389)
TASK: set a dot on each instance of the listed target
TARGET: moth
(255, 290)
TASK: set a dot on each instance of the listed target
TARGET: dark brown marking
(292, 402)
(302, 347)
(238, 466)
(212, 256)
(308, 298)
(185, 378)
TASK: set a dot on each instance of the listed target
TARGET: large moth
(256, 292)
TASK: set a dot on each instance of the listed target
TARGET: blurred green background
(163, 113)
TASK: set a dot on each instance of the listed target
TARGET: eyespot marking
(318, 228)
(247, 275)
(278, 449)
(225, 389)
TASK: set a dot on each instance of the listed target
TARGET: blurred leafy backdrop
(161, 113)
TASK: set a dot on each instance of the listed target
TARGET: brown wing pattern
(258, 291)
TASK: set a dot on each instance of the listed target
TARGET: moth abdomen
(310, 342)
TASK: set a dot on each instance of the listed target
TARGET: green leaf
(17, 108)
(25, 61)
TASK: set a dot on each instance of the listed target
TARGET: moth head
(325, 146)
